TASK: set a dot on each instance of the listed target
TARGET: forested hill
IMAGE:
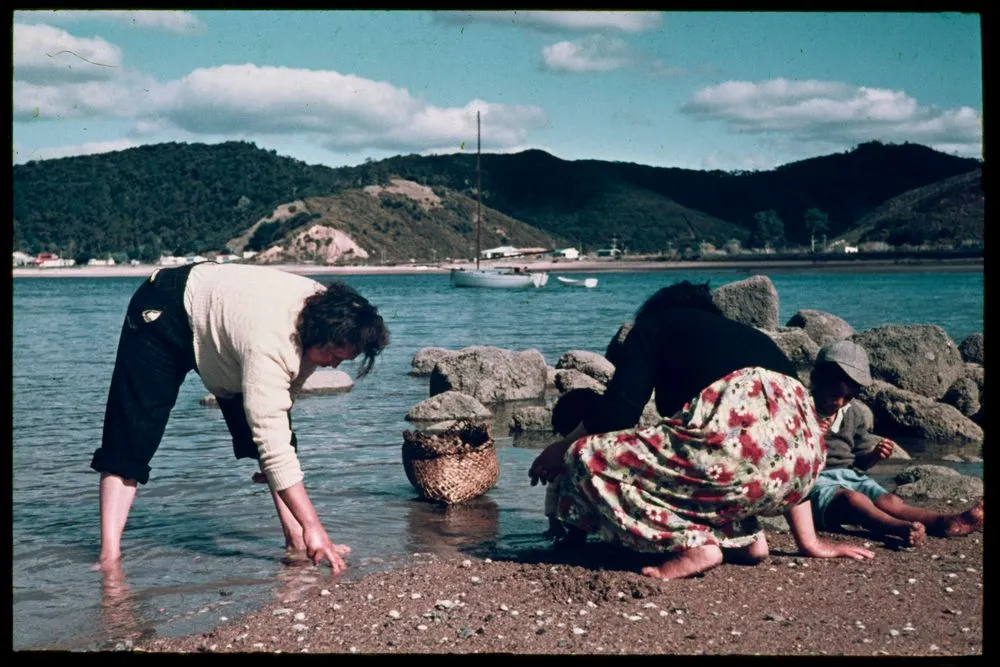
(183, 198)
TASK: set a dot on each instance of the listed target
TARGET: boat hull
(497, 278)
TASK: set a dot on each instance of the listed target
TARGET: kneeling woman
(742, 441)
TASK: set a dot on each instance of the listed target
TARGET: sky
(696, 90)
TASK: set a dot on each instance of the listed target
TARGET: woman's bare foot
(913, 535)
(967, 522)
(751, 555)
(687, 563)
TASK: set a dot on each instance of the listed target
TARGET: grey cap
(851, 358)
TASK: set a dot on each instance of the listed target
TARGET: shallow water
(202, 542)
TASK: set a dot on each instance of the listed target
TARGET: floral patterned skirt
(748, 445)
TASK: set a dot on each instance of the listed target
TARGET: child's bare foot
(687, 563)
(913, 535)
(967, 522)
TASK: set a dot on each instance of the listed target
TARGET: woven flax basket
(454, 465)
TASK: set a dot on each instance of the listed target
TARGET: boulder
(425, 360)
(753, 301)
(822, 327)
(799, 347)
(327, 381)
(491, 374)
(904, 414)
(963, 394)
(569, 378)
(919, 358)
(448, 405)
(533, 418)
(973, 349)
(591, 363)
(616, 342)
(933, 482)
(550, 377)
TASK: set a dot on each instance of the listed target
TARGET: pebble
(336, 606)
(970, 569)
(649, 605)
(664, 612)
(421, 627)
(952, 575)
(935, 557)
(393, 613)
(281, 612)
(956, 612)
(300, 616)
(353, 649)
(298, 627)
(680, 621)
(965, 629)
(621, 595)
(258, 645)
(503, 607)
(579, 631)
(895, 592)
(736, 633)
(633, 617)
(476, 580)
(415, 596)
(539, 613)
(894, 633)
(514, 612)
(488, 560)
(911, 581)
(324, 592)
(583, 612)
(466, 563)
(223, 618)
(933, 647)
(591, 604)
(949, 589)
(369, 597)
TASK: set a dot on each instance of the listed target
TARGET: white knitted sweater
(244, 323)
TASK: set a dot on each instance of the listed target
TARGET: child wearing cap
(843, 492)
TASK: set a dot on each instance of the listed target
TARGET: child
(567, 413)
(843, 492)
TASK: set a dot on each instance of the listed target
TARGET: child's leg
(853, 507)
(937, 523)
(686, 563)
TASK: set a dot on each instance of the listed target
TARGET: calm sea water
(203, 543)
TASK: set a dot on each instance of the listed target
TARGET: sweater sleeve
(268, 400)
(863, 441)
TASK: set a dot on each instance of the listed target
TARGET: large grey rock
(920, 358)
(904, 414)
(550, 377)
(977, 374)
(937, 483)
(753, 301)
(799, 347)
(963, 394)
(973, 348)
(591, 363)
(425, 360)
(821, 326)
(491, 374)
(569, 378)
(531, 418)
(616, 342)
(448, 405)
(327, 381)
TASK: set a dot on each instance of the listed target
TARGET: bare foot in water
(687, 563)
(967, 522)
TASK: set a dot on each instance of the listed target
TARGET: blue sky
(697, 90)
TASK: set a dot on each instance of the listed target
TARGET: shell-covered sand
(926, 601)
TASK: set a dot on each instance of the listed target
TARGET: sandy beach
(555, 267)
(926, 601)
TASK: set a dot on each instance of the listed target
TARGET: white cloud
(554, 20)
(170, 20)
(46, 55)
(595, 53)
(836, 113)
(90, 148)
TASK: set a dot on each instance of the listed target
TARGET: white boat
(498, 277)
(574, 282)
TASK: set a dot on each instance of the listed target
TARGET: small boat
(574, 282)
(497, 277)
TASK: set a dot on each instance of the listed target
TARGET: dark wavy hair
(683, 294)
(341, 316)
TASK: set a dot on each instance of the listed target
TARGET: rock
(569, 378)
(425, 359)
(448, 405)
(973, 349)
(937, 483)
(531, 418)
(963, 394)
(866, 414)
(590, 363)
(919, 358)
(800, 349)
(904, 414)
(822, 327)
(550, 377)
(616, 342)
(778, 524)
(753, 301)
(327, 381)
(491, 374)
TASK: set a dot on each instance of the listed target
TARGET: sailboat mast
(479, 184)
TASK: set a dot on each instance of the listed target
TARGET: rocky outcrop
(904, 414)
(753, 301)
(919, 358)
(933, 482)
(448, 405)
(426, 358)
(822, 327)
(973, 348)
(590, 363)
(531, 419)
(491, 374)
(799, 347)
(963, 394)
(569, 379)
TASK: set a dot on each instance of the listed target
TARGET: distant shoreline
(909, 264)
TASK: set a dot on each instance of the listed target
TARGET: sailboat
(500, 277)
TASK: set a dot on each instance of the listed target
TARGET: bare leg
(938, 524)
(687, 563)
(116, 496)
(751, 555)
(854, 507)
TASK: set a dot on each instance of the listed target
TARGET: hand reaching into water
(547, 466)
(320, 548)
